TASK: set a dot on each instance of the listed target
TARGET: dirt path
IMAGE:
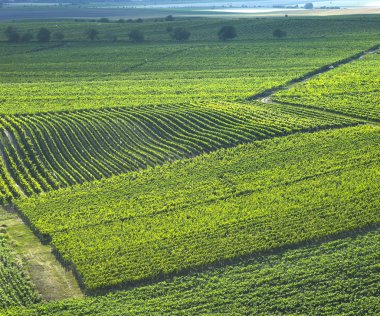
(265, 96)
(51, 279)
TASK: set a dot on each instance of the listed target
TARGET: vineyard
(336, 277)
(70, 78)
(15, 286)
(47, 151)
(351, 89)
(191, 177)
(247, 199)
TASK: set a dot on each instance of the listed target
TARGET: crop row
(101, 75)
(336, 277)
(332, 278)
(15, 287)
(212, 208)
(51, 150)
(352, 89)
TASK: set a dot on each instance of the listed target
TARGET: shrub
(227, 32)
(136, 36)
(92, 34)
(309, 6)
(12, 35)
(43, 35)
(180, 34)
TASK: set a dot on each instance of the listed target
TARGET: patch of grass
(53, 282)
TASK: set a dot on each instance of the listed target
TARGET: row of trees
(43, 35)
(177, 34)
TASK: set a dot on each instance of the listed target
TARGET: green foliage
(15, 287)
(308, 6)
(105, 75)
(213, 208)
(350, 89)
(92, 34)
(136, 36)
(180, 34)
(227, 32)
(336, 277)
(43, 35)
(77, 113)
(65, 142)
(169, 18)
(11, 34)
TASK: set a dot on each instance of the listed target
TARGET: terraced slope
(352, 89)
(213, 208)
(332, 278)
(15, 286)
(51, 150)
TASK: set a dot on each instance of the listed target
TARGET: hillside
(197, 176)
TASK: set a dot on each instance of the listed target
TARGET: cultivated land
(16, 288)
(194, 177)
(213, 208)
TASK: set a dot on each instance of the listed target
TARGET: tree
(11, 34)
(227, 32)
(104, 20)
(180, 34)
(169, 18)
(136, 36)
(43, 35)
(92, 34)
(279, 33)
(308, 6)
(26, 37)
(58, 36)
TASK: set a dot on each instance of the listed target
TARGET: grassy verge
(51, 279)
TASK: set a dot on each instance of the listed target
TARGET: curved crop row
(213, 208)
(46, 151)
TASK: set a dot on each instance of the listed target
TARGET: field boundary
(266, 94)
(52, 280)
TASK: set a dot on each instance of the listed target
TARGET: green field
(47, 151)
(352, 89)
(333, 278)
(15, 286)
(194, 177)
(213, 208)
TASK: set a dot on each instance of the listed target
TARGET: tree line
(43, 35)
(178, 34)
